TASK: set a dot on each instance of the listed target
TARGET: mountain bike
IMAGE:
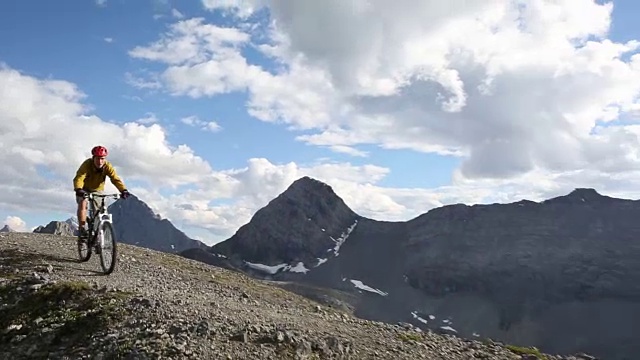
(100, 232)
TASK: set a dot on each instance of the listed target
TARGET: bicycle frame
(99, 220)
(101, 214)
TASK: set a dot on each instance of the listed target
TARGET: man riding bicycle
(90, 177)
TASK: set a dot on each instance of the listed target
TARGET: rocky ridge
(52, 306)
(527, 272)
(56, 228)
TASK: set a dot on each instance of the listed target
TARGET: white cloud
(108, 39)
(149, 118)
(190, 41)
(193, 120)
(16, 223)
(523, 87)
(177, 14)
(206, 60)
(242, 8)
(140, 82)
(39, 161)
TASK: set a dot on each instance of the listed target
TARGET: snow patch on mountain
(417, 317)
(273, 269)
(360, 285)
(343, 237)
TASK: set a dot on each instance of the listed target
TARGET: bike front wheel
(84, 249)
(108, 251)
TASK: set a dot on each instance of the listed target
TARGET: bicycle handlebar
(87, 195)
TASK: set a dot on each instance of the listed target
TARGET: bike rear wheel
(108, 259)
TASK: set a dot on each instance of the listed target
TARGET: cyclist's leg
(82, 214)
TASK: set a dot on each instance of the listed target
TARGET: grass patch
(409, 337)
(526, 351)
(65, 314)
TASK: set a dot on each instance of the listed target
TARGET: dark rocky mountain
(135, 223)
(6, 228)
(56, 228)
(561, 274)
(73, 224)
(300, 225)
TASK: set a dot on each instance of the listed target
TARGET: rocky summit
(56, 228)
(560, 275)
(298, 225)
(161, 305)
(6, 228)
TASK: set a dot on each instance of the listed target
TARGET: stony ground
(158, 305)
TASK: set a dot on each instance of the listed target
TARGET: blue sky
(88, 44)
(56, 47)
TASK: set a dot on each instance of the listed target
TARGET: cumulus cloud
(190, 41)
(206, 60)
(512, 87)
(16, 223)
(193, 120)
(39, 161)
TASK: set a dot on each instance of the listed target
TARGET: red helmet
(99, 151)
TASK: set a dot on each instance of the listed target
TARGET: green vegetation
(56, 315)
(408, 337)
(526, 351)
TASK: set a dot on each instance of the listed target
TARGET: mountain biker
(90, 177)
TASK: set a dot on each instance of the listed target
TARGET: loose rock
(166, 306)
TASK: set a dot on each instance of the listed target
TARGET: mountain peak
(579, 195)
(308, 181)
(308, 219)
(56, 228)
(133, 205)
(6, 228)
(308, 186)
(585, 193)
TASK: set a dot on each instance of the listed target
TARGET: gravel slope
(162, 305)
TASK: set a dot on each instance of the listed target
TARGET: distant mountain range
(135, 224)
(560, 274)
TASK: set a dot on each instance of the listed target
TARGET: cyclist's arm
(115, 179)
(81, 174)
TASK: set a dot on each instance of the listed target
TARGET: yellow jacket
(92, 179)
